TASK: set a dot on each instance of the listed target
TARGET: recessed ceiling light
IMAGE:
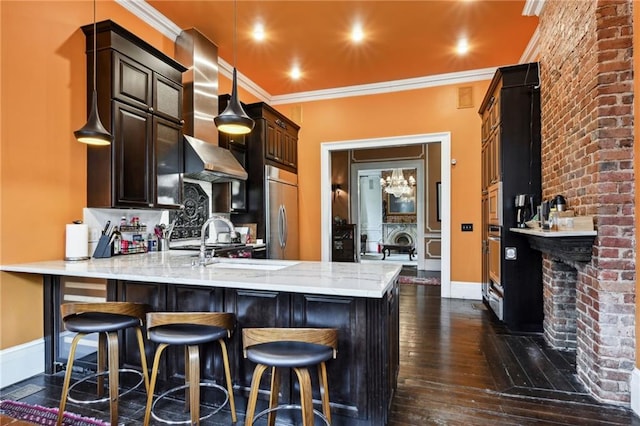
(357, 35)
(258, 32)
(463, 46)
(295, 72)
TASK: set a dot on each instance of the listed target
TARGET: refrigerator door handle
(285, 227)
(280, 226)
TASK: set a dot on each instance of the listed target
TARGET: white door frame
(325, 190)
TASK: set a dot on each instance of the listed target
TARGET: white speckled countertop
(370, 280)
(551, 234)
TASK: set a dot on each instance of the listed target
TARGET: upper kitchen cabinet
(276, 135)
(140, 103)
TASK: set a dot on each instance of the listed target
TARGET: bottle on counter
(553, 219)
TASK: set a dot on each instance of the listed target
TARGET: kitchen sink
(270, 265)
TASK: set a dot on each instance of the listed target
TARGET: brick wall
(587, 155)
(559, 289)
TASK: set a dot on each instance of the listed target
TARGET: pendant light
(233, 120)
(93, 133)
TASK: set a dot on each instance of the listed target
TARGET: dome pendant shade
(233, 120)
(93, 133)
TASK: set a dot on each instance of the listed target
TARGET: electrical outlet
(467, 227)
(94, 234)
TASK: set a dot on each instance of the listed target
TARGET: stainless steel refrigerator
(281, 213)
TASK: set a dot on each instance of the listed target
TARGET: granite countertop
(371, 280)
(553, 234)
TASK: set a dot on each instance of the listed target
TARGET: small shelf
(567, 246)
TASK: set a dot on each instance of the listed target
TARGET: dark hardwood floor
(458, 366)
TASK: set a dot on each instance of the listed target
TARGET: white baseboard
(635, 391)
(431, 265)
(465, 290)
(20, 362)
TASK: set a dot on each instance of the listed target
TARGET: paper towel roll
(77, 247)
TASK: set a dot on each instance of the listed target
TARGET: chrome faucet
(232, 231)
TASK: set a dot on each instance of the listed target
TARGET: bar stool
(189, 329)
(296, 348)
(106, 319)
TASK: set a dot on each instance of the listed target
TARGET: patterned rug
(407, 279)
(44, 415)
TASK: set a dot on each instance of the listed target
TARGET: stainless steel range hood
(203, 158)
(211, 163)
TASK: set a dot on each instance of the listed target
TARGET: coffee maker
(525, 209)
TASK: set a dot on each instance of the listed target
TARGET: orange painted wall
(404, 113)
(636, 165)
(42, 167)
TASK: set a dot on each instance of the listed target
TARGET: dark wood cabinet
(277, 135)
(140, 103)
(511, 165)
(261, 150)
(361, 379)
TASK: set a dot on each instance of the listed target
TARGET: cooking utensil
(106, 227)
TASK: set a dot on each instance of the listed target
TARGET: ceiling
(403, 39)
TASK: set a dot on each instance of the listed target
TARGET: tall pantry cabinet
(140, 103)
(511, 165)
(272, 142)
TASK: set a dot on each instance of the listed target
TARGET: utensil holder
(103, 248)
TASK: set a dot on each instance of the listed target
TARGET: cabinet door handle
(151, 109)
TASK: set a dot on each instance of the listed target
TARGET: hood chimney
(204, 159)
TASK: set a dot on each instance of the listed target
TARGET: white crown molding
(151, 16)
(155, 19)
(387, 86)
(530, 53)
(533, 7)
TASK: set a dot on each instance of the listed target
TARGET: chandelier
(397, 185)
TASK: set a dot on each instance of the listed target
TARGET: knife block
(103, 248)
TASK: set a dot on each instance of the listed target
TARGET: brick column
(586, 63)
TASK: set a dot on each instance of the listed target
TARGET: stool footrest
(289, 407)
(106, 398)
(183, 387)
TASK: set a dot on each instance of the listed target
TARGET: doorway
(370, 215)
(326, 148)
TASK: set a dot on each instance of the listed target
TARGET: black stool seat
(295, 348)
(107, 320)
(186, 334)
(99, 322)
(289, 354)
(190, 329)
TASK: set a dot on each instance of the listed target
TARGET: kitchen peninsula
(361, 301)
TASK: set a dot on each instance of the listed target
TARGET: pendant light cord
(95, 35)
(235, 30)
